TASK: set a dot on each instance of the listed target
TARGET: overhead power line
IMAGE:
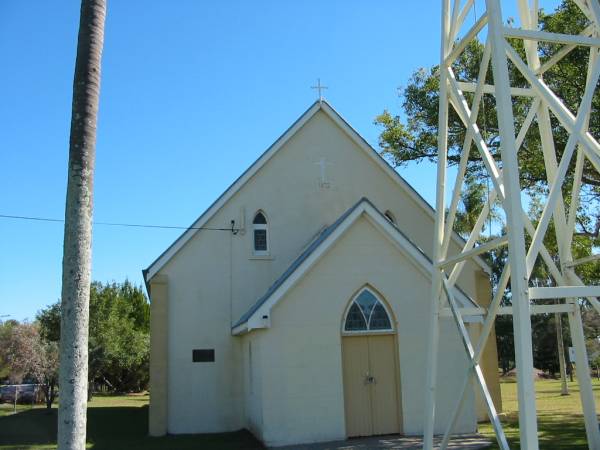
(116, 224)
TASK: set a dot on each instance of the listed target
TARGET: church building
(305, 318)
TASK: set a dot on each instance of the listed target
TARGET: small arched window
(260, 236)
(389, 216)
(367, 313)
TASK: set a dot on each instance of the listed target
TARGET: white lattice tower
(506, 190)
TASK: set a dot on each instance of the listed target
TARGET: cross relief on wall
(324, 182)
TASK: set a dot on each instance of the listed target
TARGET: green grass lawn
(7, 409)
(114, 422)
(560, 418)
(121, 422)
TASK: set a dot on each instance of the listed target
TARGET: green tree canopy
(415, 139)
(119, 341)
(27, 356)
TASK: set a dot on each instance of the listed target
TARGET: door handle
(369, 379)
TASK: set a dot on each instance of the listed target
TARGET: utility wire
(115, 224)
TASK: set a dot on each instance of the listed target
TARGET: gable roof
(325, 107)
(258, 316)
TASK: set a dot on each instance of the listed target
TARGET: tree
(19, 348)
(119, 335)
(46, 372)
(49, 320)
(5, 335)
(76, 270)
(28, 356)
(415, 140)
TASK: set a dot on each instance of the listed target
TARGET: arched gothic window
(367, 313)
(261, 239)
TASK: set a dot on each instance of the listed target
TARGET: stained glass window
(355, 321)
(261, 241)
(367, 302)
(379, 319)
(367, 313)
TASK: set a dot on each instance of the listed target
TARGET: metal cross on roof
(319, 87)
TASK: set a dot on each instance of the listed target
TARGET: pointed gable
(351, 134)
(258, 316)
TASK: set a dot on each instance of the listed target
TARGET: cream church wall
(214, 279)
(287, 189)
(253, 363)
(301, 352)
(202, 397)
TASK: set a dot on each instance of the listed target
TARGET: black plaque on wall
(203, 355)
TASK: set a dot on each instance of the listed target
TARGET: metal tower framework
(505, 178)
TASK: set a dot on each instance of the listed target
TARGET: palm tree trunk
(77, 247)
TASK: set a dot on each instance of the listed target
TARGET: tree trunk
(49, 401)
(78, 229)
(564, 388)
(49, 394)
(570, 370)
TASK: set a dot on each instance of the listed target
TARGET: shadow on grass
(558, 431)
(112, 428)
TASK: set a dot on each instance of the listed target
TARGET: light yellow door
(384, 392)
(370, 385)
(355, 357)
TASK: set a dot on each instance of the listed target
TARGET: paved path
(467, 442)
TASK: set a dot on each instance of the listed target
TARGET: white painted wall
(213, 280)
(253, 382)
(203, 397)
(303, 400)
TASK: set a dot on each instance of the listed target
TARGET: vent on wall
(203, 355)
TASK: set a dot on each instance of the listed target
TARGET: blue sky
(192, 92)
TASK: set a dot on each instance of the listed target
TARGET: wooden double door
(371, 385)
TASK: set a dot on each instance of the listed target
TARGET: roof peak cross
(319, 87)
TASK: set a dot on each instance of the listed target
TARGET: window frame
(261, 226)
(381, 301)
